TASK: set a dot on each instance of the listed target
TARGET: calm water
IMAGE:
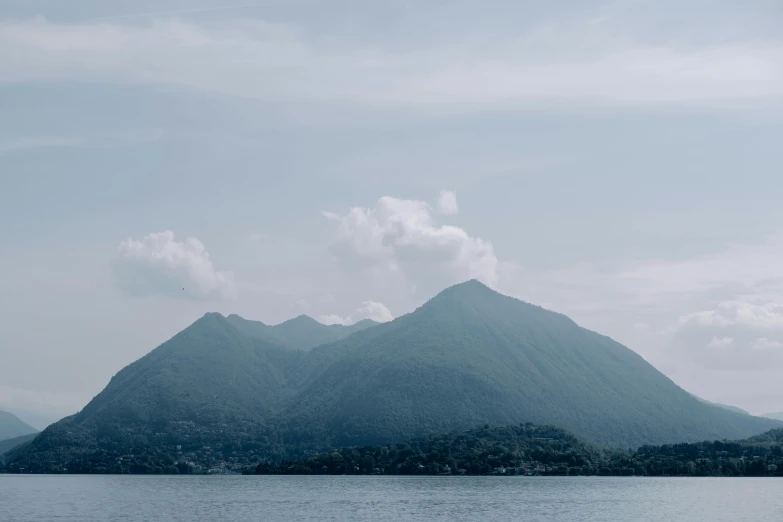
(136, 499)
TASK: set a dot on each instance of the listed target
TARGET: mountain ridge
(301, 332)
(467, 357)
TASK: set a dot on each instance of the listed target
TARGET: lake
(271, 498)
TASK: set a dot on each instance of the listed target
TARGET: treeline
(482, 451)
(525, 449)
(540, 450)
(709, 459)
(168, 448)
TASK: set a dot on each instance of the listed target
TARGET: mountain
(776, 416)
(300, 333)
(226, 390)
(210, 384)
(9, 444)
(471, 356)
(724, 406)
(11, 426)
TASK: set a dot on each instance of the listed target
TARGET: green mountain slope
(776, 416)
(472, 356)
(209, 385)
(208, 371)
(300, 333)
(223, 391)
(11, 426)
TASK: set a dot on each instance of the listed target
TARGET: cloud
(582, 61)
(100, 140)
(739, 284)
(401, 236)
(764, 344)
(175, 12)
(768, 316)
(739, 268)
(373, 310)
(720, 342)
(734, 336)
(743, 350)
(734, 292)
(159, 265)
(447, 203)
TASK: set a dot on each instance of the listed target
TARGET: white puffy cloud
(447, 203)
(733, 336)
(160, 265)
(402, 237)
(373, 310)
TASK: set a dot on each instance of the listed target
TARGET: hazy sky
(620, 162)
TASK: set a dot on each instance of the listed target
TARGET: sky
(616, 161)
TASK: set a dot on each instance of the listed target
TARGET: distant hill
(724, 406)
(776, 416)
(300, 333)
(772, 436)
(225, 390)
(9, 444)
(11, 426)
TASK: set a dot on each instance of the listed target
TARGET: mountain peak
(301, 320)
(362, 323)
(236, 319)
(472, 293)
(209, 319)
(471, 285)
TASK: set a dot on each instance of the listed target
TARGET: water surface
(229, 498)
